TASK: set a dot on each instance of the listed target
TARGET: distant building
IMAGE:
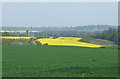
(27, 33)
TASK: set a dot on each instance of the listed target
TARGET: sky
(59, 0)
(59, 14)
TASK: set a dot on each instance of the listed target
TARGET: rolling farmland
(59, 39)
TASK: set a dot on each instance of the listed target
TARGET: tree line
(110, 34)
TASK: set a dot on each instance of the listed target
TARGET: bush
(46, 44)
(5, 34)
(102, 47)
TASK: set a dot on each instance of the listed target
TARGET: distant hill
(79, 29)
(94, 27)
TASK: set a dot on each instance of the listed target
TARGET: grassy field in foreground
(59, 61)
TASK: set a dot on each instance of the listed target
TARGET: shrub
(46, 44)
(102, 47)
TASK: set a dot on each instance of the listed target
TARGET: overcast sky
(40, 14)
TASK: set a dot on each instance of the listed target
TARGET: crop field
(20, 31)
(59, 61)
(67, 41)
(16, 37)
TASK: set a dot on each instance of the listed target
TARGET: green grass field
(59, 61)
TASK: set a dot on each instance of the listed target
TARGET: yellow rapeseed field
(66, 41)
(17, 37)
(20, 31)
